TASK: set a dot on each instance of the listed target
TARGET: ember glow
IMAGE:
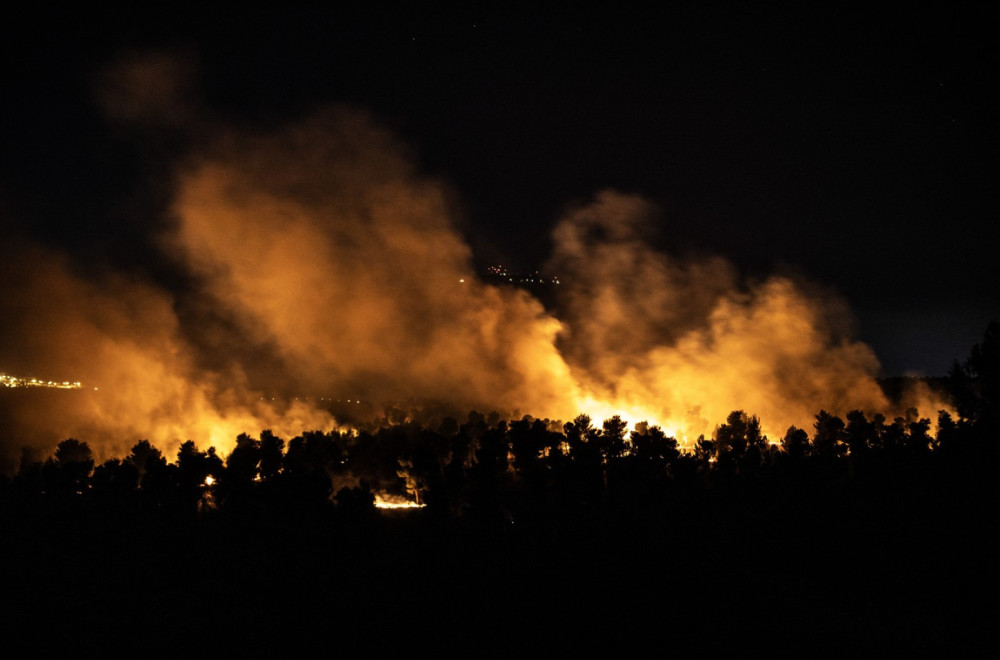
(385, 501)
(320, 260)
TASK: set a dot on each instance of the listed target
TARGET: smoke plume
(329, 249)
(684, 342)
(123, 341)
(314, 262)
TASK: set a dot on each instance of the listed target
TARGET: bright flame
(598, 411)
(386, 501)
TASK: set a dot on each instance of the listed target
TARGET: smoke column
(123, 340)
(334, 254)
(685, 342)
(317, 260)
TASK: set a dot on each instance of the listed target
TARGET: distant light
(461, 280)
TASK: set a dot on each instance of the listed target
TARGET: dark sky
(856, 149)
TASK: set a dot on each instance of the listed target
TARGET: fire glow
(322, 261)
(385, 501)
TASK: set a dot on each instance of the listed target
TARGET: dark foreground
(800, 572)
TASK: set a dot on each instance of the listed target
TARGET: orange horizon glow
(321, 260)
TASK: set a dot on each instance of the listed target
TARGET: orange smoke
(320, 261)
(329, 247)
(122, 340)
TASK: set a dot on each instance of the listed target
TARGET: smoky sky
(850, 146)
(317, 256)
(282, 202)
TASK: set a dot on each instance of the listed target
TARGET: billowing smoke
(335, 254)
(315, 261)
(140, 377)
(685, 343)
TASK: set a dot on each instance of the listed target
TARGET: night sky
(857, 150)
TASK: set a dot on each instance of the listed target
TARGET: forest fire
(319, 257)
(495, 333)
(632, 415)
(387, 501)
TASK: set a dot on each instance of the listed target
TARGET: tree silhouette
(613, 434)
(67, 473)
(740, 445)
(271, 454)
(114, 483)
(489, 475)
(587, 474)
(861, 434)
(73, 452)
(795, 443)
(243, 462)
(651, 444)
(152, 471)
(194, 468)
(975, 384)
(527, 442)
(919, 434)
(641, 474)
(705, 451)
(830, 439)
(305, 477)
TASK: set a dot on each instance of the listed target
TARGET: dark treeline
(860, 533)
(489, 470)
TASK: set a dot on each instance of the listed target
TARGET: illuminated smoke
(329, 248)
(318, 261)
(684, 343)
(123, 338)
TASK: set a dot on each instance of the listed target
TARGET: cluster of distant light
(16, 381)
(306, 398)
(499, 272)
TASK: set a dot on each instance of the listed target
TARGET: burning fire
(386, 501)
(320, 260)
(632, 414)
